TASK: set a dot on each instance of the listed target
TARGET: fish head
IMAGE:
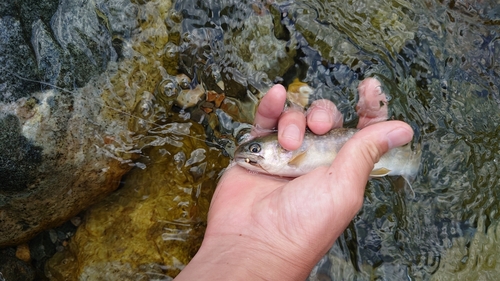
(250, 155)
(260, 154)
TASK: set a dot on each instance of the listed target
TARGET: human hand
(265, 227)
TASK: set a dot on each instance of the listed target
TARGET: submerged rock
(51, 165)
(339, 29)
(61, 150)
(153, 225)
(189, 98)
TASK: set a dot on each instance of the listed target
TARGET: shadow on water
(438, 63)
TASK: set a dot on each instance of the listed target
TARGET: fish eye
(254, 148)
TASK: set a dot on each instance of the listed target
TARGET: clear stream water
(438, 62)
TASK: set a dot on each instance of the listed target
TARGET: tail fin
(412, 167)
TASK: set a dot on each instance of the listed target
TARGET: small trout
(265, 155)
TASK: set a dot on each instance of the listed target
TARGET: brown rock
(12, 268)
(219, 99)
(215, 97)
(211, 95)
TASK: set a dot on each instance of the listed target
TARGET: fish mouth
(249, 160)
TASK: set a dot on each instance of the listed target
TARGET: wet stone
(19, 157)
(15, 56)
(39, 154)
(189, 98)
(299, 93)
(53, 161)
(479, 262)
(237, 47)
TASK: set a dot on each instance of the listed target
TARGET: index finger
(270, 109)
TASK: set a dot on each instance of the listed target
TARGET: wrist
(241, 258)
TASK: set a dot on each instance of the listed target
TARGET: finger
(337, 191)
(322, 116)
(269, 109)
(372, 104)
(291, 128)
(354, 162)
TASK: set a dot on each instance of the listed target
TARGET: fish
(265, 155)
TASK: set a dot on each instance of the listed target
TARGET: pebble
(299, 92)
(23, 252)
(189, 98)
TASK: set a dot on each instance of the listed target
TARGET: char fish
(265, 155)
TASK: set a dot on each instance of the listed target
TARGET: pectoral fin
(380, 172)
(297, 158)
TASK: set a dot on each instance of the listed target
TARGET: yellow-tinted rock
(153, 225)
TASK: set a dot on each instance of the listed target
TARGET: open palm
(289, 224)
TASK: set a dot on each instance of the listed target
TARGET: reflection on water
(437, 61)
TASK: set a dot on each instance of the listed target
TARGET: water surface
(438, 63)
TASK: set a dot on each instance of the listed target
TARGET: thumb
(356, 159)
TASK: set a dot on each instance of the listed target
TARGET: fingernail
(291, 132)
(398, 137)
(320, 115)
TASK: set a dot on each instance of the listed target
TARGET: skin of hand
(269, 228)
